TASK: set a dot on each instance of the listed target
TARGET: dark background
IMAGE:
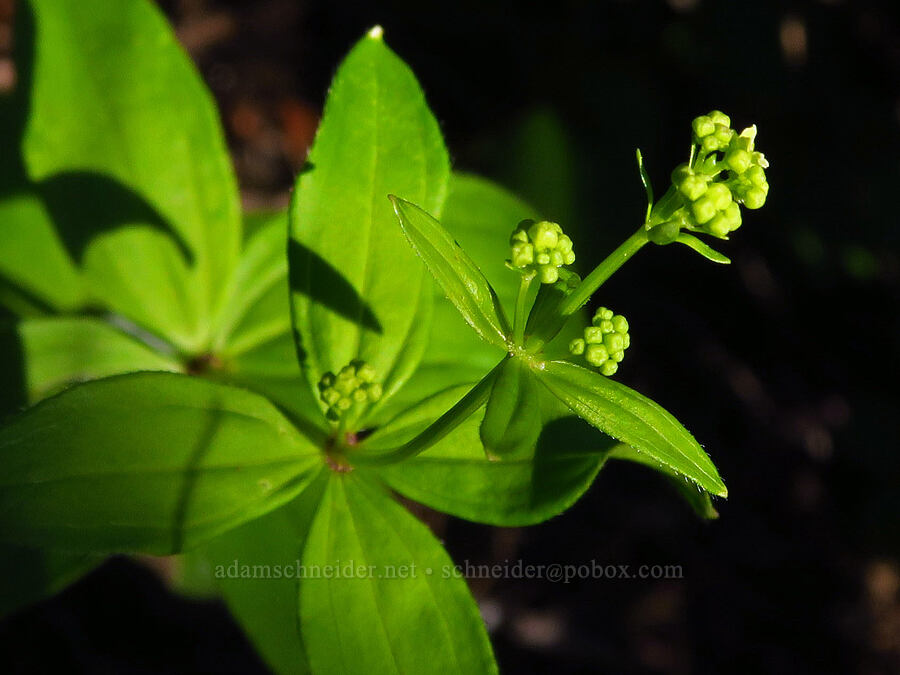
(784, 365)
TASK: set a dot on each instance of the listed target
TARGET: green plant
(303, 388)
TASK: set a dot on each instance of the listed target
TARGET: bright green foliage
(354, 383)
(725, 171)
(129, 206)
(604, 342)
(357, 290)
(148, 462)
(394, 604)
(122, 127)
(634, 419)
(540, 249)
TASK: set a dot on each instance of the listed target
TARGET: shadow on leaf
(330, 289)
(85, 205)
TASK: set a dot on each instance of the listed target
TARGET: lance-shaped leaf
(456, 273)
(454, 475)
(633, 419)
(380, 594)
(147, 462)
(479, 214)
(512, 417)
(123, 135)
(358, 291)
(703, 248)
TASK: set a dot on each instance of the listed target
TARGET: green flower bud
(355, 383)
(596, 355)
(754, 198)
(540, 249)
(593, 335)
(704, 210)
(703, 126)
(614, 342)
(609, 368)
(544, 235)
(720, 118)
(738, 160)
(604, 342)
(548, 274)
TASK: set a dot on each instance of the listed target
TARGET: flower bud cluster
(355, 383)
(540, 249)
(604, 342)
(725, 171)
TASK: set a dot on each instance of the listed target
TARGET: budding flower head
(540, 249)
(355, 383)
(604, 342)
(725, 172)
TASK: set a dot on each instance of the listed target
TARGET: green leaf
(645, 181)
(633, 419)
(57, 351)
(254, 337)
(454, 475)
(408, 612)
(512, 417)
(358, 291)
(479, 215)
(36, 271)
(147, 462)
(463, 283)
(703, 248)
(123, 133)
(258, 308)
(698, 499)
(255, 566)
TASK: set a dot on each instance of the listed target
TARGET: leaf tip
(376, 33)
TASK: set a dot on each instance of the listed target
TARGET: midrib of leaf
(398, 537)
(370, 586)
(653, 442)
(373, 182)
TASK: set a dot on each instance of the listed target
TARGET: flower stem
(520, 318)
(604, 271)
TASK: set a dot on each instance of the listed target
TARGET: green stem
(438, 429)
(604, 271)
(519, 320)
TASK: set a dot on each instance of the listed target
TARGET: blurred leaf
(147, 462)
(115, 99)
(35, 267)
(454, 475)
(57, 351)
(634, 419)
(358, 290)
(408, 612)
(266, 604)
